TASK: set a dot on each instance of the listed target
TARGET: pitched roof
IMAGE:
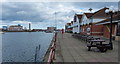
(100, 13)
(68, 24)
(15, 26)
(79, 16)
(115, 17)
(88, 15)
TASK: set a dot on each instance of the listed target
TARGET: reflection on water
(21, 46)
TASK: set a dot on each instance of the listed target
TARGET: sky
(46, 14)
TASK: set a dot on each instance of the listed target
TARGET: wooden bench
(99, 44)
(92, 38)
(89, 46)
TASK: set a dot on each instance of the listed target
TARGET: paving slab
(71, 49)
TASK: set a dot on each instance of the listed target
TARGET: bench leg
(89, 48)
(103, 49)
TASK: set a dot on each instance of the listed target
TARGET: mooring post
(36, 54)
(39, 46)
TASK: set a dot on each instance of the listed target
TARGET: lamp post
(55, 22)
(111, 13)
(91, 21)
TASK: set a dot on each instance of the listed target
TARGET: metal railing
(52, 50)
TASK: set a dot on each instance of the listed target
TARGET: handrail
(52, 50)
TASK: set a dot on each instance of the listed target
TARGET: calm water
(21, 46)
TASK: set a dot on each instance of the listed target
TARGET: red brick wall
(69, 29)
(99, 28)
(96, 29)
(106, 32)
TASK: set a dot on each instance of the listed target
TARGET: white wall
(85, 20)
(76, 25)
(97, 20)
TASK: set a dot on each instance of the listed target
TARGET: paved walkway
(70, 49)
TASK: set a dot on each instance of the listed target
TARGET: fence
(52, 50)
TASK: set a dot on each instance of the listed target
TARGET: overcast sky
(42, 14)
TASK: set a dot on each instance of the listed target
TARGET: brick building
(98, 24)
(85, 26)
(88, 26)
(115, 27)
(68, 27)
(51, 29)
(15, 28)
(76, 23)
(92, 29)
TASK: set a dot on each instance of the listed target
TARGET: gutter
(107, 22)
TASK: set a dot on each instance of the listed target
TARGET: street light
(91, 20)
(90, 9)
(111, 13)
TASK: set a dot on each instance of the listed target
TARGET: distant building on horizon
(4, 28)
(29, 27)
(25, 28)
(15, 28)
(68, 27)
(38, 30)
(0, 29)
(51, 29)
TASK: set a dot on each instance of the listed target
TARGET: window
(118, 29)
(83, 30)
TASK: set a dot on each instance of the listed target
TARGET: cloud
(21, 22)
(43, 14)
(21, 12)
(2, 1)
(59, 0)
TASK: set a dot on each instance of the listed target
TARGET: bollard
(35, 54)
(39, 46)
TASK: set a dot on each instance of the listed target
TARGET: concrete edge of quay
(45, 58)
